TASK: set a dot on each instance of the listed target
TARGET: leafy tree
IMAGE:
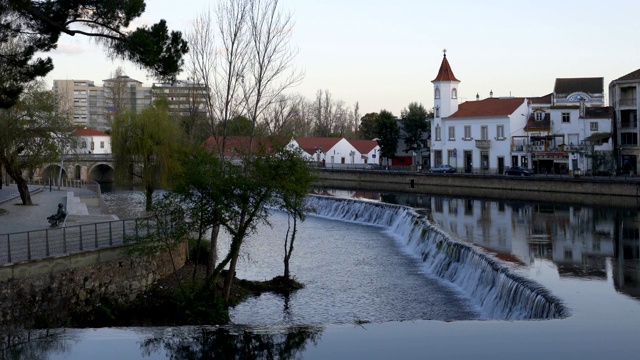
(368, 126)
(145, 146)
(414, 125)
(38, 24)
(32, 134)
(388, 134)
(292, 196)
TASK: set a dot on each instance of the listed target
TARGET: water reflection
(579, 240)
(35, 344)
(232, 343)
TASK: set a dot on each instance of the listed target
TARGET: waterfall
(491, 285)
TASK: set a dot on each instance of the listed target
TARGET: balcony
(628, 102)
(483, 144)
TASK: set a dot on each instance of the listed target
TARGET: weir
(488, 282)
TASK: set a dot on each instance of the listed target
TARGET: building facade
(623, 97)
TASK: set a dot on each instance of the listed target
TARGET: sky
(384, 54)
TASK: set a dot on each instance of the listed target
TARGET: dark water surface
(587, 257)
(352, 273)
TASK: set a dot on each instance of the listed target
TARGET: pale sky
(384, 54)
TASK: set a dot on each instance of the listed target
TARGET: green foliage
(37, 26)
(368, 126)
(198, 250)
(388, 134)
(414, 125)
(146, 148)
(31, 134)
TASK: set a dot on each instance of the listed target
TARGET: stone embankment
(50, 292)
(593, 191)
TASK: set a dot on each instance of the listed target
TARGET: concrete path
(81, 205)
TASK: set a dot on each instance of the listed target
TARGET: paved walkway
(18, 217)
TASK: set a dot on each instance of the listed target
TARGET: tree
(292, 194)
(414, 125)
(32, 134)
(117, 94)
(145, 146)
(368, 126)
(388, 134)
(38, 25)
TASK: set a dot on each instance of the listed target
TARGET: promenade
(19, 218)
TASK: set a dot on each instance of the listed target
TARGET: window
(484, 156)
(467, 132)
(451, 156)
(92, 145)
(438, 133)
(500, 132)
(454, 93)
(437, 157)
(452, 133)
(101, 144)
(593, 126)
(539, 116)
(628, 139)
(84, 144)
(484, 132)
(566, 117)
(437, 114)
(437, 93)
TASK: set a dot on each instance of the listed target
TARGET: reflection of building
(626, 261)
(623, 96)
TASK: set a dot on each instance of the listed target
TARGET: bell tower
(445, 90)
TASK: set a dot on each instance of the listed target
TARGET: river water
(587, 258)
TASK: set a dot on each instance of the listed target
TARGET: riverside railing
(66, 183)
(54, 242)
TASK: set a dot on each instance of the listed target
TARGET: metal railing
(67, 183)
(54, 242)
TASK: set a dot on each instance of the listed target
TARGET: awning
(595, 137)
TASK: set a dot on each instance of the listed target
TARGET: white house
(91, 141)
(368, 151)
(473, 136)
(338, 152)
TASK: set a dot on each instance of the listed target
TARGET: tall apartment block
(185, 98)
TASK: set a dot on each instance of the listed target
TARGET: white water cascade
(499, 293)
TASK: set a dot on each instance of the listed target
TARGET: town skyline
(386, 58)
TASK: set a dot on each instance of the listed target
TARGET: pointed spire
(445, 73)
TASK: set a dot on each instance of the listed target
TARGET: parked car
(372, 167)
(518, 171)
(443, 169)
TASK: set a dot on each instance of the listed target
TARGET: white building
(473, 136)
(339, 152)
(91, 141)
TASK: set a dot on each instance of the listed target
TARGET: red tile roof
(311, 144)
(546, 99)
(445, 73)
(88, 132)
(363, 146)
(490, 107)
(634, 75)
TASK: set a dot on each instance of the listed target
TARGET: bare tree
(116, 94)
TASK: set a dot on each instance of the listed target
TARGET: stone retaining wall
(46, 292)
(614, 192)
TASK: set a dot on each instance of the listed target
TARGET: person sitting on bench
(58, 217)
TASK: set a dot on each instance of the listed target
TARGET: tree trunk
(148, 197)
(213, 250)
(21, 183)
(228, 281)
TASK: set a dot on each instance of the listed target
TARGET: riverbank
(622, 192)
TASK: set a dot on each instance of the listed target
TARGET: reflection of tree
(34, 344)
(232, 342)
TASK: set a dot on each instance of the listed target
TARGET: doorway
(468, 163)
